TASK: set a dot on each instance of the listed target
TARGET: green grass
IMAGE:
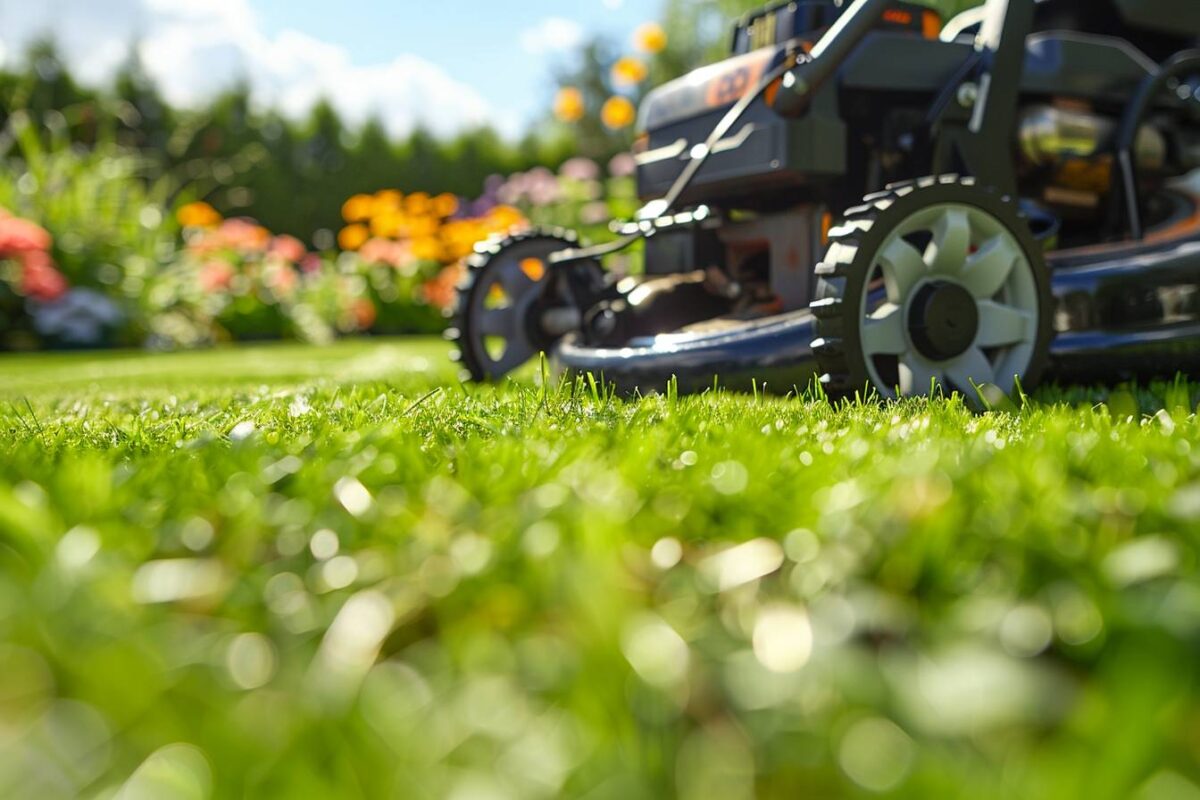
(290, 572)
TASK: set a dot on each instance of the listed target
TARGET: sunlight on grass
(279, 571)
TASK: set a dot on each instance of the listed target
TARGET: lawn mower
(891, 202)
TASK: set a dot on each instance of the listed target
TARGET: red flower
(22, 236)
(40, 278)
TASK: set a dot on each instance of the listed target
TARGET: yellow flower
(386, 224)
(358, 208)
(416, 204)
(568, 104)
(427, 249)
(501, 218)
(628, 71)
(198, 215)
(445, 205)
(650, 38)
(422, 226)
(618, 113)
(353, 236)
(388, 200)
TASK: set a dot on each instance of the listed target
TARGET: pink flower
(40, 278)
(594, 213)
(281, 279)
(215, 275)
(22, 236)
(385, 251)
(580, 169)
(311, 263)
(288, 248)
(622, 165)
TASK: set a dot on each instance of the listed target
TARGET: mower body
(775, 183)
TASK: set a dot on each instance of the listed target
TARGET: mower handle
(802, 81)
(824, 60)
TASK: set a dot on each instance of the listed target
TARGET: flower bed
(189, 277)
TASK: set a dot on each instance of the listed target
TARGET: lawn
(289, 572)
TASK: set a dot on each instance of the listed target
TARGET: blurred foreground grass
(290, 572)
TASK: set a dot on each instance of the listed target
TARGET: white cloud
(551, 35)
(194, 48)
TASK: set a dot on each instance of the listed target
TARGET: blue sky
(474, 41)
(445, 65)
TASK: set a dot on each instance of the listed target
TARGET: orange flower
(628, 71)
(198, 215)
(441, 291)
(568, 104)
(618, 113)
(358, 208)
(353, 236)
(364, 313)
(650, 38)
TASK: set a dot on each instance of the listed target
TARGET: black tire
(852, 276)
(482, 275)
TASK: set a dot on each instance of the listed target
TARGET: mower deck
(1122, 312)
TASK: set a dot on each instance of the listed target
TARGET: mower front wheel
(934, 283)
(512, 304)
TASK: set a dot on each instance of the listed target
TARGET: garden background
(125, 221)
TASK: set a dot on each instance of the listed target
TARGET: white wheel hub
(911, 326)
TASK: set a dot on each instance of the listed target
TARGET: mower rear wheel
(511, 306)
(934, 283)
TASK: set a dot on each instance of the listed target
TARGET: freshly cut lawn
(325, 573)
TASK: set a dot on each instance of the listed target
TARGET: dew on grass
(77, 547)
(666, 552)
(338, 573)
(250, 659)
(353, 496)
(876, 754)
(656, 652)
(741, 564)
(324, 544)
(178, 579)
(176, 771)
(783, 637)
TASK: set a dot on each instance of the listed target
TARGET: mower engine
(1066, 157)
(779, 174)
(766, 153)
